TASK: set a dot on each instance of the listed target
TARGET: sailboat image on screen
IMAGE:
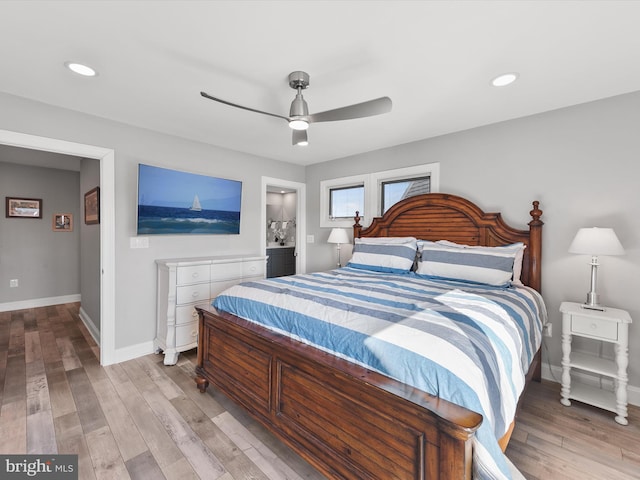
(171, 202)
(195, 206)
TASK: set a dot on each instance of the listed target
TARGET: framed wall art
(18, 207)
(62, 222)
(92, 206)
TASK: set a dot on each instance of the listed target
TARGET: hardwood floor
(143, 420)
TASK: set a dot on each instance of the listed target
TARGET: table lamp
(595, 241)
(338, 236)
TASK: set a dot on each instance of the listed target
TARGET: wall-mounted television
(172, 202)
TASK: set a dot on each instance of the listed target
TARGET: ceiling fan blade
(206, 95)
(359, 110)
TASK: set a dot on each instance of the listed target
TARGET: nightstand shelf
(593, 396)
(610, 325)
(593, 364)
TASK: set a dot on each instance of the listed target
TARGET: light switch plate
(139, 242)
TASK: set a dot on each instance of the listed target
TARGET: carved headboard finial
(536, 213)
(356, 226)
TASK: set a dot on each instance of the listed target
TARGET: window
(387, 187)
(395, 190)
(344, 201)
(373, 193)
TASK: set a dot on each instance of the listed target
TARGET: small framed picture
(92, 206)
(24, 207)
(62, 222)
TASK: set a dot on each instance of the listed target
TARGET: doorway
(296, 236)
(107, 223)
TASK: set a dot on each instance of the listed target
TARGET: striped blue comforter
(469, 344)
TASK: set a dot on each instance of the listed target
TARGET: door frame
(301, 219)
(106, 157)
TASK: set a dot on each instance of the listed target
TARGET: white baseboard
(133, 351)
(38, 302)
(93, 330)
(554, 374)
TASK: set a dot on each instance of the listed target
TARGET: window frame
(431, 170)
(325, 198)
(372, 183)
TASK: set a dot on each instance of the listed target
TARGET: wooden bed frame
(347, 421)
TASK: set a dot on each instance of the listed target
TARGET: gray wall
(46, 263)
(581, 163)
(135, 294)
(89, 248)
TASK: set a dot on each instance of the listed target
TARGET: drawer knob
(194, 313)
(195, 274)
(195, 294)
(594, 326)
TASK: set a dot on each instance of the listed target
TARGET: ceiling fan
(299, 117)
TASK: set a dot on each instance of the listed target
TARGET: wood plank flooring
(143, 420)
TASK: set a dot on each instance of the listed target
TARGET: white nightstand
(610, 325)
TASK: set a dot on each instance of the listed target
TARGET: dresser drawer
(192, 274)
(226, 271)
(219, 287)
(192, 293)
(254, 268)
(594, 327)
(187, 314)
(187, 335)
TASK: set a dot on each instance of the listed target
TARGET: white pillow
(384, 254)
(489, 265)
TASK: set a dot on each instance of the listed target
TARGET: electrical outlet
(13, 283)
(547, 329)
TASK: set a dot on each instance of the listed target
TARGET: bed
(354, 420)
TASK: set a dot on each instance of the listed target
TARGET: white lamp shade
(596, 241)
(338, 235)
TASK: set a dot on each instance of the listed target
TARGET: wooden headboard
(441, 216)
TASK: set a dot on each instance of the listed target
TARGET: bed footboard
(347, 421)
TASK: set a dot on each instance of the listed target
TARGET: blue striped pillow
(384, 254)
(517, 263)
(490, 265)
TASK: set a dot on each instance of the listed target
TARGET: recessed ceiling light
(80, 69)
(504, 79)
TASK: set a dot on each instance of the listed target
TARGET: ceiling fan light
(300, 138)
(298, 124)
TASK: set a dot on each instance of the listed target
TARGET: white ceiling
(434, 59)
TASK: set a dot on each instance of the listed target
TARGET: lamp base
(593, 298)
(588, 306)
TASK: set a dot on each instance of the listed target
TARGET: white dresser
(183, 284)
